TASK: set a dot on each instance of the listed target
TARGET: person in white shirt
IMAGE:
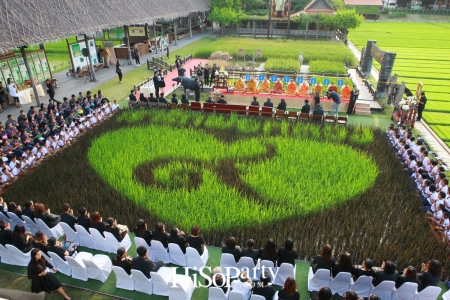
(433, 197)
(7, 176)
(14, 92)
(115, 106)
(243, 285)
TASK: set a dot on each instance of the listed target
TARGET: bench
(253, 110)
(197, 106)
(208, 107)
(228, 108)
(267, 111)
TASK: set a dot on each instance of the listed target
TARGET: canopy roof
(364, 2)
(319, 6)
(30, 22)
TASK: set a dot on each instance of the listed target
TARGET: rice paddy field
(422, 56)
(244, 177)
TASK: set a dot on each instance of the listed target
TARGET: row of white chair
(164, 282)
(278, 275)
(363, 287)
(216, 293)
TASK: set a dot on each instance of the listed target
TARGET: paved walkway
(436, 144)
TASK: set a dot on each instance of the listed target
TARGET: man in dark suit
(132, 96)
(268, 103)
(222, 100)
(387, 272)
(254, 102)
(5, 233)
(209, 100)
(421, 106)
(67, 216)
(318, 110)
(152, 98)
(83, 218)
(306, 108)
(29, 210)
(143, 263)
(156, 79)
(206, 74)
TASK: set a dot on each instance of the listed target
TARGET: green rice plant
(285, 128)
(282, 64)
(248, 125)
(326, 66)
(267, 128)
(362, 135)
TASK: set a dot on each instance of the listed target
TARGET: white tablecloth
(25, 96)
(40, 91)
(148, 88)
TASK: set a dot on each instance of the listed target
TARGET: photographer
(336, 101)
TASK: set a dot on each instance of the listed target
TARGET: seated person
(289, 290)
(5, 233)
(160, 234)
(97, 223)
(387, 272)
(22, 240)
(365, 270)
(263, 287)
(303, 91)
(67, 216)
(83, 218)
(49, 219)
(56, 247)
(16, 209)
(230, 247)
(409, 275)
(269, 252)
(142, 231)
(254, 102)
(142, 98)
(318, 88)
(431, 274)
(268, 103)
(152, 98)
(143, 263)
(162, 99)
(344, 264)
(184, 99)
(122, 260)
(282, 105)
(345, 92)
(177, 237)
(222, 100)
(217, 280)
(132, 96)
(291, 89)
(174, 99)
(242, 285)
(287, 254)
(333, 87)
(318, 110)
(195, 240)
(29, 210)
(251, 86)
(306, 108)
(250, 252)
(118, 233)
(264, 88)
(278, 87)
(40, 241)
(239, 86)
(210, 100)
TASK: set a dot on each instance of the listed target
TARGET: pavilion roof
(30, 22)
(318, 6)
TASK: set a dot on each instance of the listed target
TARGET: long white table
(148, 88)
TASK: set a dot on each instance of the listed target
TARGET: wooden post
(41, 46)
(91, 66)
(289, 19)
(71, 60)
(270, 19)
(190, 26)
(202, 22)
(154, 36)
(128, 43)
(175, 31)
(254, 28)
(27, 65)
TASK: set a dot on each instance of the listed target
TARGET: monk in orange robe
(291, 88)
(333, 87)
(318, 88)
(251, 86)
(346, 91)
(265, 87)
(239, 86)
(278, 87)
(303, 91)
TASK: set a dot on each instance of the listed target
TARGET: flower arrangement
(412, 100)
(406, 103)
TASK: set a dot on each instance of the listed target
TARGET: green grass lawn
(421, 57)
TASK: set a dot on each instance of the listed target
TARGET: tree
(253, 4)
(337, 4)
(225, 16)
(298, 5)
(234, 4)
(347, 19)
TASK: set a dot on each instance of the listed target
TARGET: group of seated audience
(430, 274)
(40, 133)
(428, 177)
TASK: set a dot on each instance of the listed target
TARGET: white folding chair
(79, 270)
(159, 253)
(141, 242)
(341, 283)
(6, 256)
(267, 266)
(429, 293)
(123, 280)
(176, 256)
(362, 286)
(16, 220)
(407, 291)
(31, 225)
(99, 267)
(194, 261)
(99, 240)
(61, 265)
(142, 283)
(114, 244)
(246, 264)
(275, 297)
(228, 264)
(71, 235)
(84, 237)
(236, 296)
(161, 280)
(181, 287)
(446, 295)
(20, 258)
(257, 297)
(283, 272)
(318, 280)
(55, 232)
(216, 293)
(384, 289)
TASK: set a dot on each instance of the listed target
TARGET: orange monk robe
(333, 88)
(318, 88)
(304, 90)
(251, 86)
(239, 86)
(345, 93)
(291, 89)
(278, 87)
(265, 87)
